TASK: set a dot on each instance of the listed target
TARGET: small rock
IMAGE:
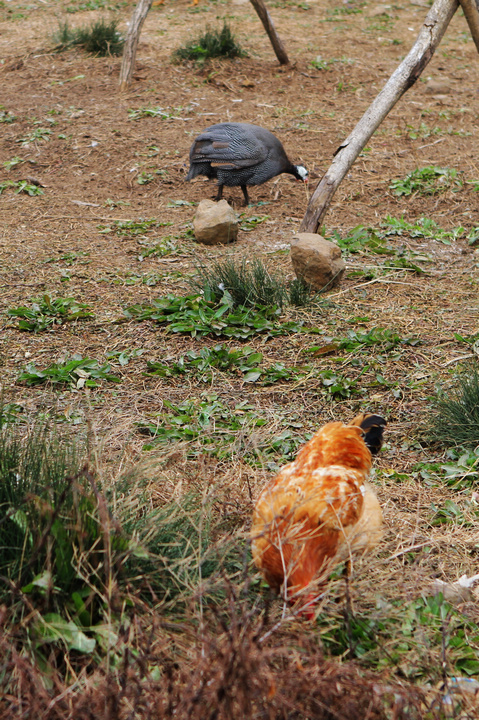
(462, 590)
(452, 592)
(438, 87)
(12, 65)
(215, 223)
(379, 10)
(316, 260)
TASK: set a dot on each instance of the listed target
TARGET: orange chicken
(319, 510)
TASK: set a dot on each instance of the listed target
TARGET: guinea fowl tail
(373, 428)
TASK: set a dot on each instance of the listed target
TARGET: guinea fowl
(240, 154)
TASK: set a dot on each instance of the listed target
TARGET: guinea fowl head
(300, 173)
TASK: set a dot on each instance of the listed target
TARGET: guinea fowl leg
(245, 193)
(219, 194)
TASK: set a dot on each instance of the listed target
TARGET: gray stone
(215, 223)
(438, 87)
(316, 260)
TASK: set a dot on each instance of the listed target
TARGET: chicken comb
(372, 427)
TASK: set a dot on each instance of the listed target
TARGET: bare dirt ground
(92, 159)
(74, 134)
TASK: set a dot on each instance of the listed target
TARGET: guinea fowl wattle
(240, 154)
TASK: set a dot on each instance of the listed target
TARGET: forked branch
(401, 80)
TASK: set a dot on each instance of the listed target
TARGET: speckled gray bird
(240, 154)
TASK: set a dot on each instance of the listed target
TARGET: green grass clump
(212, 427)
(48, 517)
(76, 372)
(100, 38)
(391, 636)
(199, 315)
(422, 228)
(456, 419)
(428, 180)
(213, 43)
(250, 284)
(300, 293)
(242, 362)
(361, 239)
(66, 560)
(21, 186)
(47, 311)
(183, 552)
(6, 116)
(10, 413)
(64, 36)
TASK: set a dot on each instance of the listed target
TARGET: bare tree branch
(471, 12)
(131, 42)
(401, 80)
(265, 18)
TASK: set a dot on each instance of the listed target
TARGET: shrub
(248, 282)
(46, 513)
(212, 43)
(100, 38)
(456, 419)
(65, 556)
(183, 556)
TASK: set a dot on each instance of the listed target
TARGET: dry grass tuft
(456, 418)
(224, 670)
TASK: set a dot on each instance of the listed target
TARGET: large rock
(316, 260)
(215, 223)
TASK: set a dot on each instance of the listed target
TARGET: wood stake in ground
(131, 42)
(401, 80)
(471, 12)
(265, 18)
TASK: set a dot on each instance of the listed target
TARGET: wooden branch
(265, 18)
(471, 13)
(401, 80)
(131, 42)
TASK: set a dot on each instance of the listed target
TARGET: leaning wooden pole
(471, 12)
(131, 42)
(401, 80)
(265, 18)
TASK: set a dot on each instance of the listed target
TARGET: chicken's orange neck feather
(335, 444)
